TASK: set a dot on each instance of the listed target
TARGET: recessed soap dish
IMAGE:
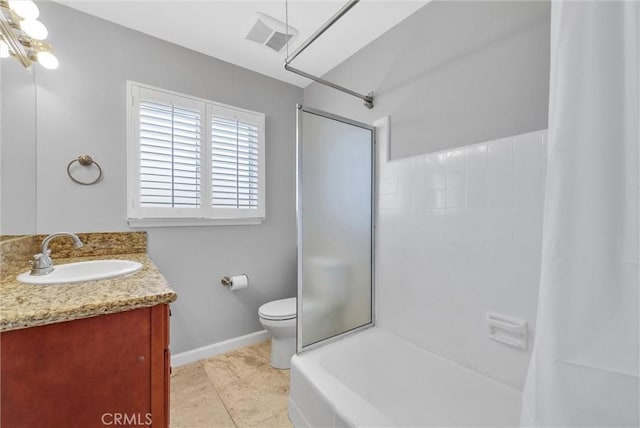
(510, 331)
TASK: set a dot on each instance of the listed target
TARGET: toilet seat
(278, 310)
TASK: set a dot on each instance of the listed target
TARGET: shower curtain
(584, 367)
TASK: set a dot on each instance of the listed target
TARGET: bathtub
(374, 378)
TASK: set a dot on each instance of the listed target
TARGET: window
(192, 161)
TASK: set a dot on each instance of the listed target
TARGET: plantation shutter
(192, 162)
(169, 155)
(235, 163)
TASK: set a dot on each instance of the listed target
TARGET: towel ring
(84, 160)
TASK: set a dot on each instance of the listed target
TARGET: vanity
(92, 353)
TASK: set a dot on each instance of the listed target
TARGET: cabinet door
(84, 373)
(160, 365)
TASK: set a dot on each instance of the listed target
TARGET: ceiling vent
(269, 31)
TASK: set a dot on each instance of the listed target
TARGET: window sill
(180, 222)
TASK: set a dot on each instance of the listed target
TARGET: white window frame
(206, 214)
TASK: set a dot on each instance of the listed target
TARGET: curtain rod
(368, 99)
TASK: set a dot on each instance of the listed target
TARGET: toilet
(279, 319)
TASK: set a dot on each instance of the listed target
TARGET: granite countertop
(26, 305)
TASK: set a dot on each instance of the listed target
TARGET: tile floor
(238, 389)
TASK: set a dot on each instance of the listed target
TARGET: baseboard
(218, 348)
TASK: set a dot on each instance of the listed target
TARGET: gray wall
(81, 108)
(454, 73)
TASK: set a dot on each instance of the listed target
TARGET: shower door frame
(299, 153)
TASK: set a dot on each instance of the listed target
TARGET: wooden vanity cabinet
(108, 370)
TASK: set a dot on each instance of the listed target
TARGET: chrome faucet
(41, 264)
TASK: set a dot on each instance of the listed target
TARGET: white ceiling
(216, 28)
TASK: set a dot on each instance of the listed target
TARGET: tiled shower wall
(459, 235)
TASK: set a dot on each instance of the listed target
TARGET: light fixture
(47, 60)
(22, 35)
(25, 9)
(34, 29)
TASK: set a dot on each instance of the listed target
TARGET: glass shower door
(335, 226)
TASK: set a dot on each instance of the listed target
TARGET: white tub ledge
(375, 379)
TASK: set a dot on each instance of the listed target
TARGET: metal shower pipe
(368, 99)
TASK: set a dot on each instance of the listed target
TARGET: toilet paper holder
(227, 282)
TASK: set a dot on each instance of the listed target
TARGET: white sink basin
(82, 271)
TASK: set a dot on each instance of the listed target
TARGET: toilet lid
(283, 309)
